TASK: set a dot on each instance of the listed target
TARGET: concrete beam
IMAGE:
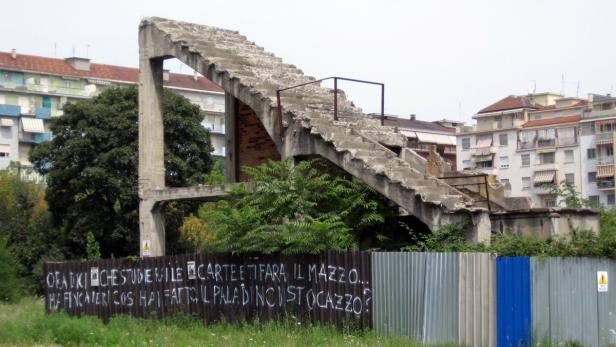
(203, 192)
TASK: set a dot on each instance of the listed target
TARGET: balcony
(10, 110)
(34, 138)
(542, 143)
(601, 113)
(604, 138)
(605, 184)
(43, 113)
(38, 138)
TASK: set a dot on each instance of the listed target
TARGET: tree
(568, 195)
(25, 228)
(91, 166)
(304, 208)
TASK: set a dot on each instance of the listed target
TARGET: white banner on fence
(94, 276)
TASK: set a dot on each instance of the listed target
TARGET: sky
(438, 59)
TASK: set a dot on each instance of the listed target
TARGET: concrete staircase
(355, 142)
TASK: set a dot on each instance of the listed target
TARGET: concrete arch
(251, 76)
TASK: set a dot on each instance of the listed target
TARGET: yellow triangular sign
(602, 280)
(146, 246)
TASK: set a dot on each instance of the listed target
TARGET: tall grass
(26, 324)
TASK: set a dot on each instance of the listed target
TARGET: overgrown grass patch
(26, 324)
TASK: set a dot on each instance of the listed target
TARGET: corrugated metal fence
(435, 297)
(566, 302)
(473, 299)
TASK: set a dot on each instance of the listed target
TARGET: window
(504, 162)
(504, 181)
(592, 177)
(525, 183)
(590, 153)
(68, 84)
(570, 178)
(466, 143)
(466, 164)
(546, 158)
(592, 128)
(46, 102)
(594, 199)
(610, 151)
(499, 122)
(5, 151)
(610, 199)
(525, 159)
(484, 164)
(503, 139)
(568, 156)
(549, 202)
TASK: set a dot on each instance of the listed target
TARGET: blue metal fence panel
(513, 293)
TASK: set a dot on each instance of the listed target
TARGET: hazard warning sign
(147, 248)
(602, 281)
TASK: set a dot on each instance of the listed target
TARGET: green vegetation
(9, 284)
(302, 208)
(582, 243)
(26, 236)
(26, 324)
(91, 169)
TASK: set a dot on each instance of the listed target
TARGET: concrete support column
(482, 227)
(231, 155)
(151, 151)
(152, 229)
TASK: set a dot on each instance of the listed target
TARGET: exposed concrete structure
(250, 77)
(545, 223)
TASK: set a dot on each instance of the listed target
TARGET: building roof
(551, 121)
(554, 107)
(101, 71)
(413, 124)
(510, 102)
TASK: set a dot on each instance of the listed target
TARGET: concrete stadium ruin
(310, 123)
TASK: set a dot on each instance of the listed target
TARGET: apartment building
(34, 89)
(421, 134)
(527, 142)
(597, 149)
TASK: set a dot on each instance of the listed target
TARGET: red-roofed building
(526, 142)
(34, 89)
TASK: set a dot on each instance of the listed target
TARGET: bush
(9, 283)
(304, 208)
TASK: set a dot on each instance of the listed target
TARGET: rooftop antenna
(459, 109)
(577, 91)
(534, 86)
(562, 85)
(73, 50)
(55, 49)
